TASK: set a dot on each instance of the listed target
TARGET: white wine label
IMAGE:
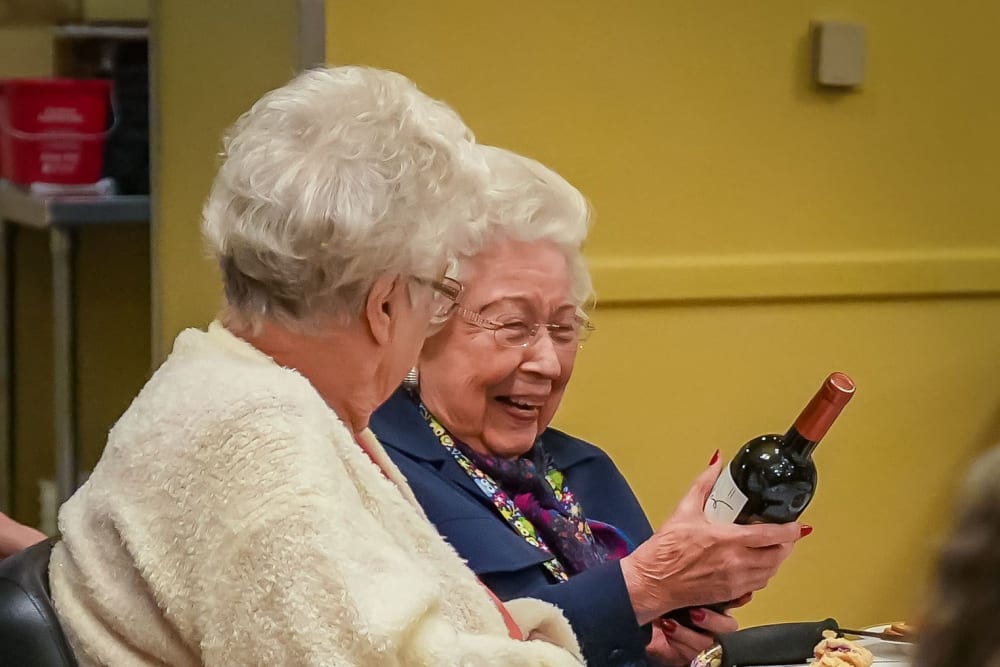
(726, 500)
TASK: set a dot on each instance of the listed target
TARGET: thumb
(694, 500)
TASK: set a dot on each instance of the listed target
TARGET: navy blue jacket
(595, 601)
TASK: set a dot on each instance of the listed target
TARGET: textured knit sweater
(234, 520)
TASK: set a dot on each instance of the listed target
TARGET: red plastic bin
(53, 130)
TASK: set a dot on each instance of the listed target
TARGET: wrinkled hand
(16, 536)
(674, 645)
(691, 562)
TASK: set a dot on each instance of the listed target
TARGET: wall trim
(796, 276)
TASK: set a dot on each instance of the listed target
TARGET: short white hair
(527, 201)
(340, 176)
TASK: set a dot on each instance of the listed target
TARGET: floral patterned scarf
(556, 515)
(531, 495)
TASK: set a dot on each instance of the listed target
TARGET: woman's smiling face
(498, 399)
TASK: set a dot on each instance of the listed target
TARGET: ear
(379, 308)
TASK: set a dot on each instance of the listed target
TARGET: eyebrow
(524, 303)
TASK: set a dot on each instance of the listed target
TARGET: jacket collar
(398, 424)
(400, 427)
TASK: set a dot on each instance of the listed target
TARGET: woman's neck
(337, 363)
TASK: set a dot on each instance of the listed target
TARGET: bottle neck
(797, 444)
(819, 415)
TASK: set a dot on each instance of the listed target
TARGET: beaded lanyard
(504, 504)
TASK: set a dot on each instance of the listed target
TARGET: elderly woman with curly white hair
(242, 513)
(534, 511)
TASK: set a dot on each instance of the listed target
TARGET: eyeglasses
(514, 331)
(446, 293)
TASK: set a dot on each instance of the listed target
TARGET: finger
(741, 601)
(755, 563)
(15, 536)
(696, 497)
(713, 622)
(765, 557)
(660, 652)
(769, 559)
(768, 534)
(753, 579)
(784, 551)
(686, 641)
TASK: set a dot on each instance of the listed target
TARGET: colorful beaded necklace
(505, 504)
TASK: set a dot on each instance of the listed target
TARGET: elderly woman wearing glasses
(242, 513)
(534, 511)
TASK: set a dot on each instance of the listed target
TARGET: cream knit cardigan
(233, 520)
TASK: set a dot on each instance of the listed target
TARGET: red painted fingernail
(715, 457)
(669, 626)
(697, 615)
(806, 529)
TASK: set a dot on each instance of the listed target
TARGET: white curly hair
(527, 201)
(340, 176)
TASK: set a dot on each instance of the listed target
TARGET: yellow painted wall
(754, 233)
(210, 65)
(25, 51)
(112, 282)
(114, 10)
(37, 12)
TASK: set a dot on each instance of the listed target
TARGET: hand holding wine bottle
(691, 561)
(699, 557)
(772, 479)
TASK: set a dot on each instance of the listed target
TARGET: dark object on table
(778, 644)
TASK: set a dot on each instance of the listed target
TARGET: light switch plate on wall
(839, 53)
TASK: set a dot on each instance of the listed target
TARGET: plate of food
(834, 651)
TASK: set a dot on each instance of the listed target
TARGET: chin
(512, 446)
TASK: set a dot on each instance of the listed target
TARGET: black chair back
(30, 633)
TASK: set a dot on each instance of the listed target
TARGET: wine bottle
(772, 478)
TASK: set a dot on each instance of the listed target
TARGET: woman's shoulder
(215, 373)
(213, 429)
(205, 398)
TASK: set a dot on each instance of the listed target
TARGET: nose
(541, 357)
